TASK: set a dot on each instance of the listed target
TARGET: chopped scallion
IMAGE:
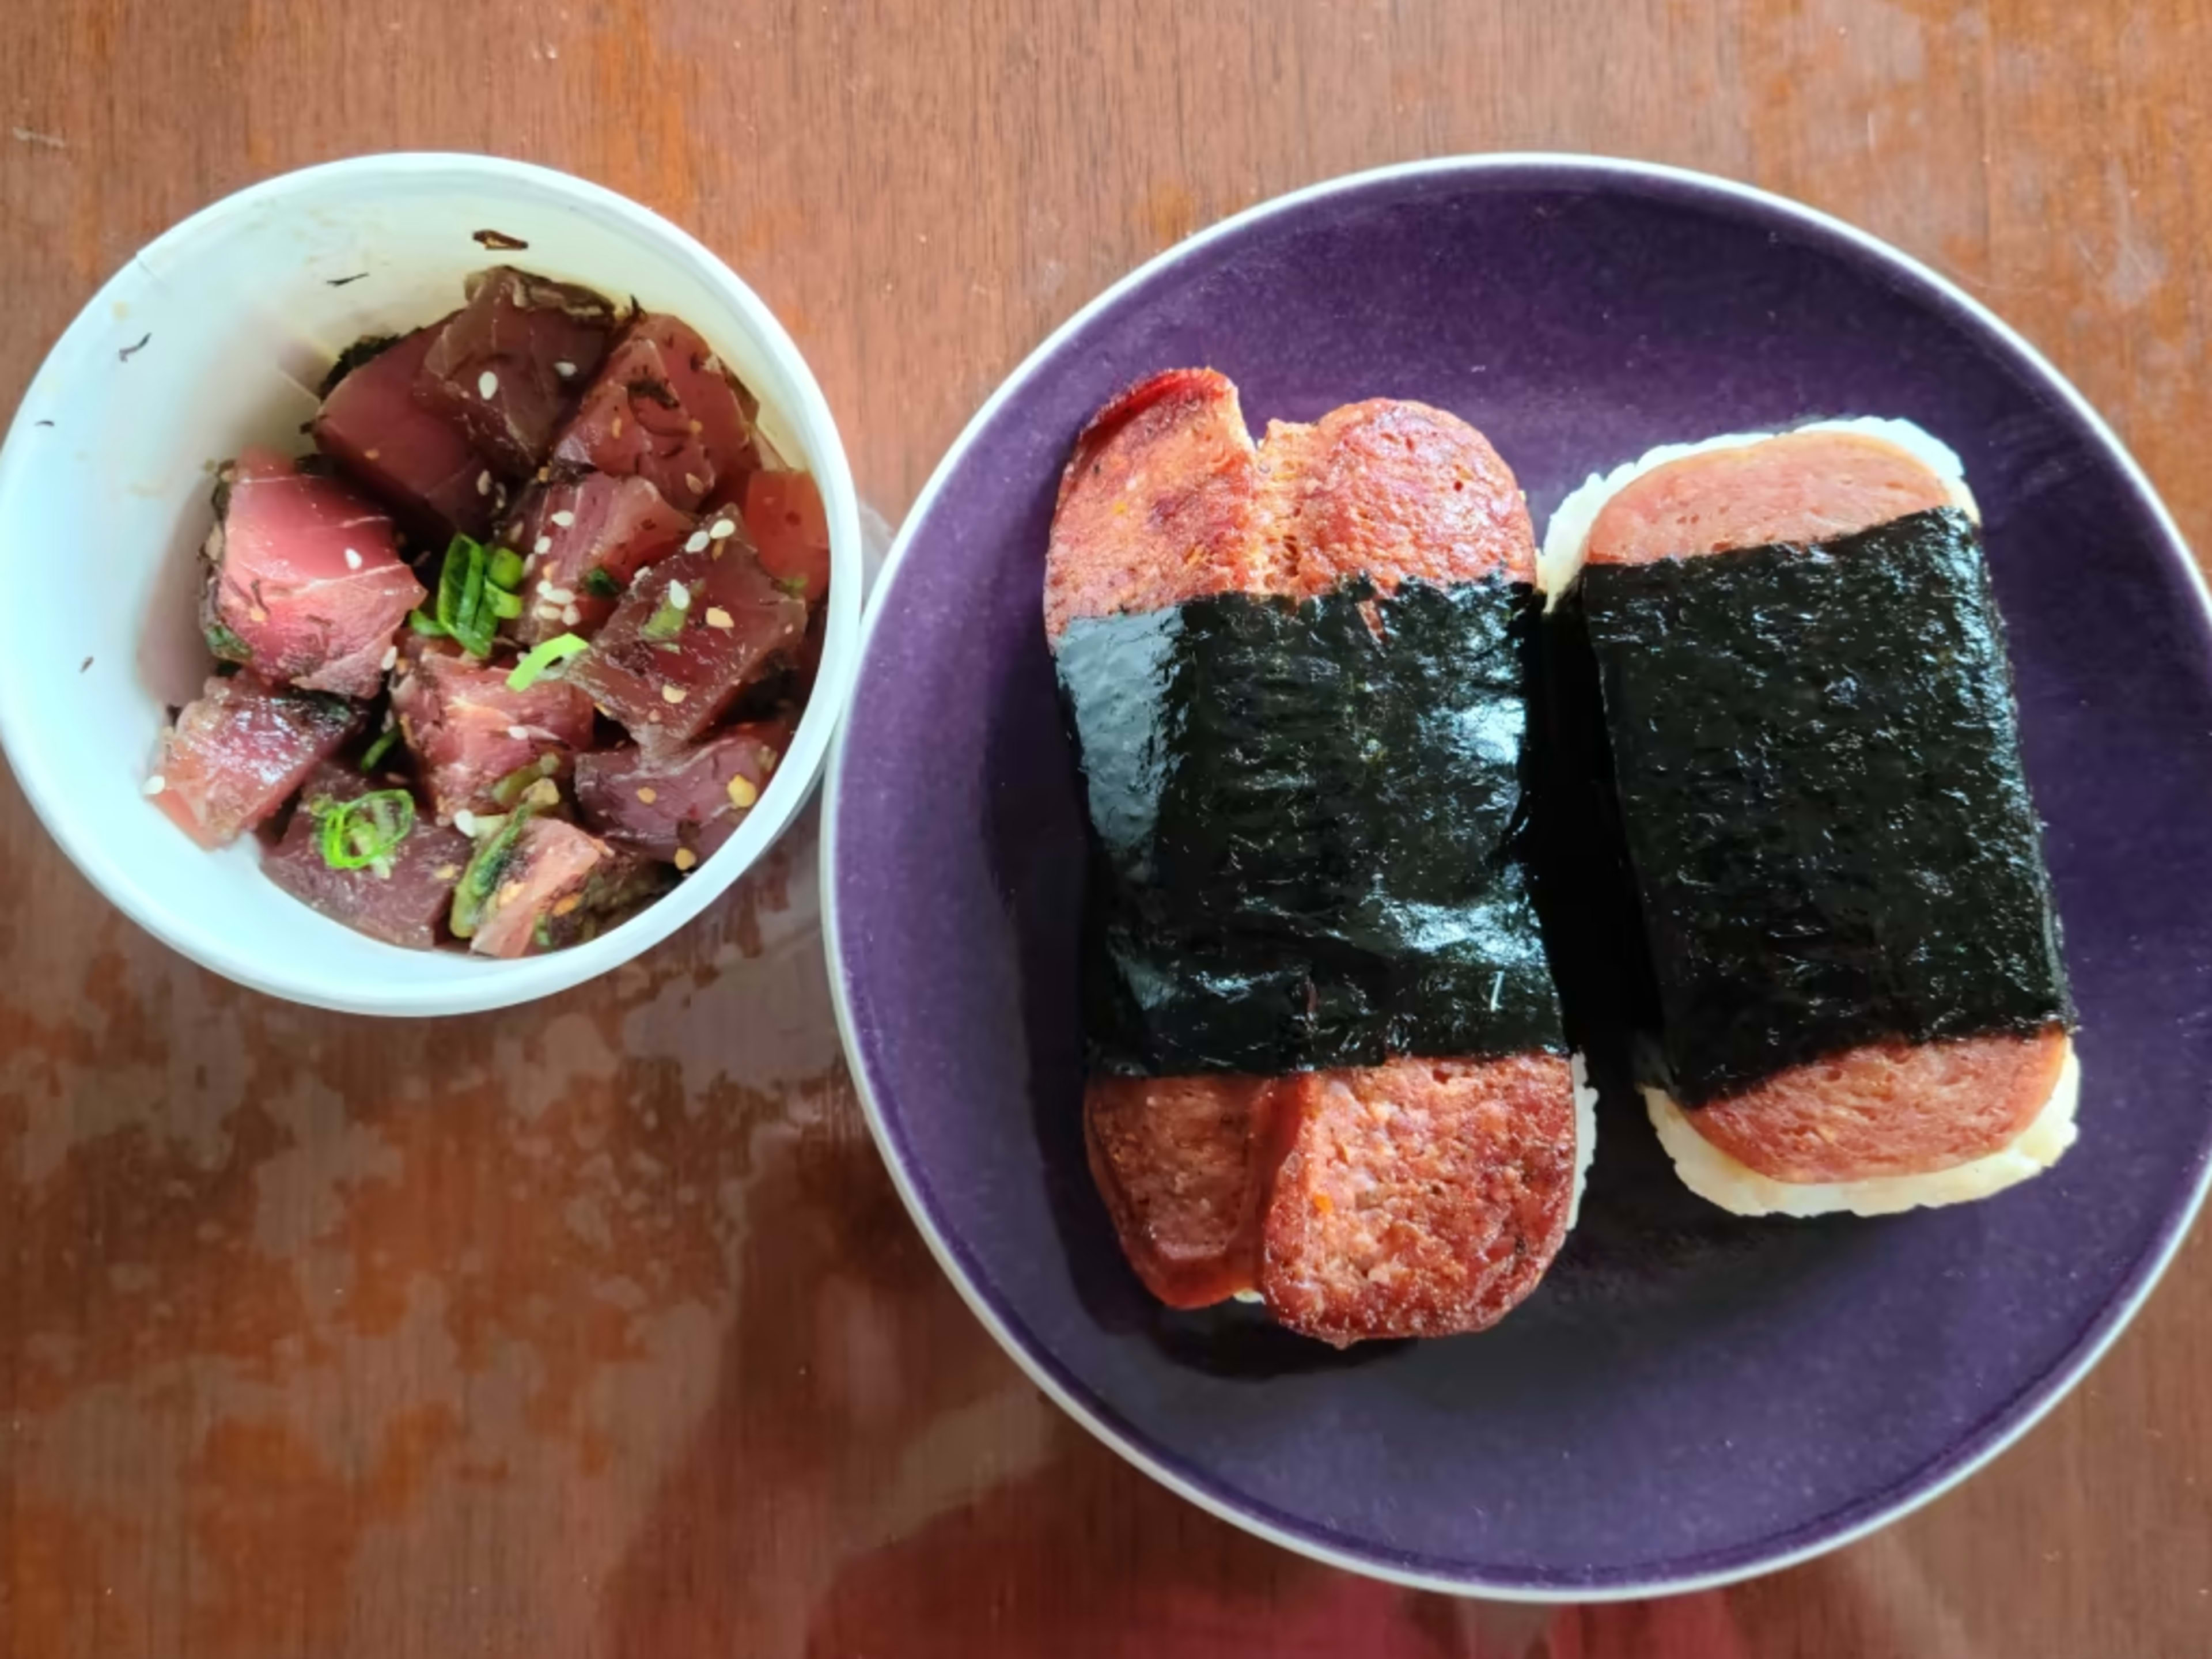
(462, 611)
(665, 624)
(532, 667)
(425, 624)
(600, 584)
(380, 748)
(506, 568)
(358, 833)
(504, 604)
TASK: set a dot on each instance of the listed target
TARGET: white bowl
(213, 337)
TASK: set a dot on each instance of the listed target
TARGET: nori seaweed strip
(1817, 756)
(1304, 826)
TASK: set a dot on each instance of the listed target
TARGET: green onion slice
(532, 667)
(463, 611)
(665, 624)
(506, 568)
(600, 584)
(358, 833)
(503, 603)
(423, 623)
(380, 748)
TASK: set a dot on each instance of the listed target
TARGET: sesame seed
(520, 733)
(743, 793)
(371, 454)
(390, 656)
(445, 871)
(647, 795)
(679, 596)
(487, 384)
(721, 528)
(544, 793)
(673, 693)
(156, 785)
(685, 857)
(257, 614)
(549, 763)
(718, 617)
(353, 558)
(697, 427)
(567, 904)
(483, 483)
(549, 613)
(571, 615)
(614, 430)
(692, 484)
(565, 369)
(508, 892)
(698, 544)
(768, 762)
(543, 544)
(564, 518)
(465, 822)
(559, 595)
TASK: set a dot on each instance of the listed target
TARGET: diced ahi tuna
(784, 516)
(406, 904)
(540, 883)
(506, 365)
(236, 753)
(665, 409)
(681, 806)
(419, 463)
(306, 584)
(582, 544)
(468, 730)
(693, 631)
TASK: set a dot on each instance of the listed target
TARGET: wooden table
(594, 1327)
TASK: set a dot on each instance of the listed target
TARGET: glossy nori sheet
(1304, 820)
(1817, 758)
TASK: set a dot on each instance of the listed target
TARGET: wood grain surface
(595, 1328)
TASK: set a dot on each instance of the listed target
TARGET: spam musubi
(1815, 751)
(1326, 1061)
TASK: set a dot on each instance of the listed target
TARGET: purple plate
(1690, 1396)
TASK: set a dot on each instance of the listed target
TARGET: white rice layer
(1566, 536)
(1714, 1176)
(1585, 1134)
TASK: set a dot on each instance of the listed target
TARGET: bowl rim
(489, 985)
(1728, 1565)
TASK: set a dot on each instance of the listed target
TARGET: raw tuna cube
(505, 366)
(582, 542)
(693, 632)
(407, 905)
(540, 883)
(420, 463)
(307, 584)
(469, 731)
(236, 754)
(681, 806)
(666, 411)
(784, 516)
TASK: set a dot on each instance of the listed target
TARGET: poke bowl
(201, 368)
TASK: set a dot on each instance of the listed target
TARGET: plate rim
(2027, 1407)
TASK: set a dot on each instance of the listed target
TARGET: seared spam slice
(695, 631)
(583, 542)
(304, 581)
(508, 365)
(236, 752)
(405, 902)
(681, 804)
(477, 738)
(540, 883)
(666, 411)
(419, 463)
